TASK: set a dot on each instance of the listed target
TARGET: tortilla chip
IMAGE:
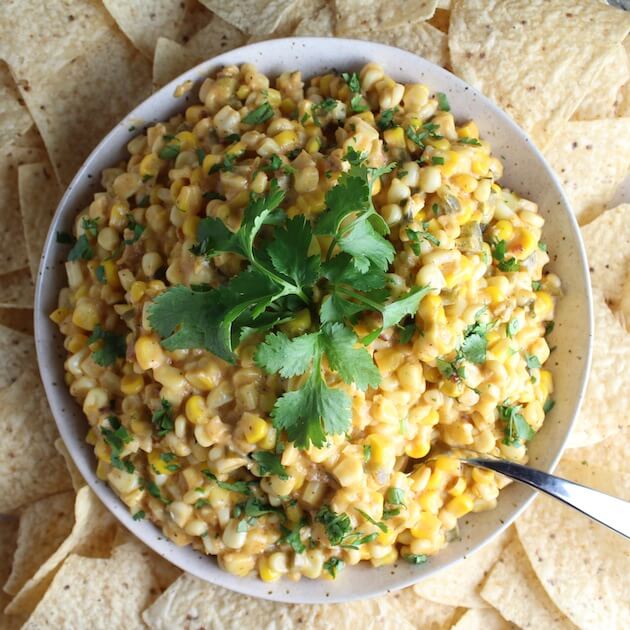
(8, 539)
(17, 289)
(441, 19)
(30, 468)
(192, 603)
(420, 612)
(591, 159)
(216, 37)
(12, 244)
(95, 592)
(77, 478)
(171, 59)
(604, 409)
(44, 525)
(359, 15)
(14, 117)
(144, 22)
(583, 566)
(30, 139)
(601, 99)
(610, 453)
(421, 39)
(535, 58)
(77, 106)
(17, 350)
(255, 17)
(92, 535)
(39, 195)
(321, 24)
(38, 42)
(459, 585)
(486, 618)
(20, 319)
(196, 16)
(514, 590)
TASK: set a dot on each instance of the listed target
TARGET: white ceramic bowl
(525, 171)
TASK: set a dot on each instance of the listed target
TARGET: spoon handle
(603, 508)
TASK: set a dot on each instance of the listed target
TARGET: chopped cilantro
(472, 141)
(358, 104)
(242, 487)
(269, 464)
(406, 333)
(153, 489)
(368, 518)
(171, 150)
(292, 538)
(332, 565)
(201, 154)
(116, 436)
(136, 228)
(259, 115)
(443, 104)
(352, 80)
(437, 159)
(542, 246)
(99, 272)
(367, 453)
(420, 134)
(532, 361)
(395, 496)
(414, 558)
(201, 503)
(517, 430)
(211, 196)
(415, 237)
(162, 418)
(64, 238)
(513, 326)
(337, 526)
(549, 326)
(536, 285)
(111, 346)
(505, 264)
(81, 250)
(139, 515)
(549, 405)
(386, 119)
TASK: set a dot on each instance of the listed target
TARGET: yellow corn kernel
(137, 291)
(111, 274)
(324, 84)
(91, 437)
(501, 350)
(430, 501)
(267, 574)
(294, 512)
(423, 416)
(431, 310)
(387, 538)
(495, 294)
(481, 164)
(211, 160)
(242, 92)
(131, 384)
(389, 558)
(148, 352)
(449, 465)
(381, 449)
(59, 314)
(436, 480)
(194, 114)
(189, 228)
(196, 410)
(417, 448)
(255, 428)
(545, 384)
(458, 487)
(465, 182)
(161, 465)
(450, 163)
(269, 441)
(102, 470)
(441, 144)
(150, 166)
(461, 505)
(469, 130)
(76, 343)
(286, 140)
(395, 137)
(101, 450)
(189, 199)
(187, 140)
(482, 476)
(503, 230)
(543, 306)
(426, 527)
(287, 106)
(313, 145)
(524, 244)
(86, 314)
(236, 149)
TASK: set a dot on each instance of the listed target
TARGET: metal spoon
(599, 506)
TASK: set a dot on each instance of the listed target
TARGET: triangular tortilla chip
(17, 353)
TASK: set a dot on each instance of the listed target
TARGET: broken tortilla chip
(28, 436)
(361, 15)
(17, 351)
(486, 618)
(255, 17)
(459, 585)
(591, 159)
(216, 37)
(171, 59)
(14, 117)
(20, 319)
(77, 478)
(17, 289)
(535, 58)
(514, 590)
(8, 539)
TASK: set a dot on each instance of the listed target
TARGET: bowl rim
(111, 501)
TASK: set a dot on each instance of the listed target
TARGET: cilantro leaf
(116, 437)
(65, 238)
(289, 357)
(386, 119)
(112, 346)
(550, 403)
(358, 104)
(395, 496)
(171, 150)
(367, 247)
(337, 526)
(352, 80)
(242, 487)
(513, 326)
(517, 430)
(472, 141)
(504, 264)
(405, 305)
(414, 558)
(333, 565)
(474, 348)
(162, 418)
(259, 115)
(135, 227)
(139, 515)
(269, 464)
(81, 250)
(532, 362)
(368, 518)
(443, 104)
(354, 365)
(99, 272)
(292, 538)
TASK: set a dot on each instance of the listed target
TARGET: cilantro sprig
(517, 429)
(109, 346)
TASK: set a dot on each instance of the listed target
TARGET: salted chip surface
(591, 159)
(92, 535)
(39, 194)
(363, 15)
(14, 117)
(97, 592)
(143, 22)
(77, 479)
(604, 408)
(255, 17)
(28, 436)
(44, 525)
(478, 618)
(319, 25)
(214, 38)
(8, 539)
(19, 319)
(601, 99)
(535, 58)
(16, 351)
(192, 603)
(514, 590)
(583, 566)
(170, 60)
(421, 612)
(12, 244)
(17, 289)
(422, 39)
(611, 453)
(459, 585)
(70, 118)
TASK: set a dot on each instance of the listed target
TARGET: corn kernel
(189, 227)
(458, 487)
(481, 164)
(162, 465)
(255, 428)
(523, 244)
(449, 465)
(86, 314)
(469, 130)
(148, 352)
(111, 274)
(286, 140)
(102, 470)
(196, 410)
(461, 505)
(150, 166)
(59, 314)
(395, 137)
(465, 182)
(131, 384)
(417, 448)
(187, 140)
(137, 291)
(426, 527)
(430, 501)
(543, 306)
(267, 574)
(76, 343)
(389, 558)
